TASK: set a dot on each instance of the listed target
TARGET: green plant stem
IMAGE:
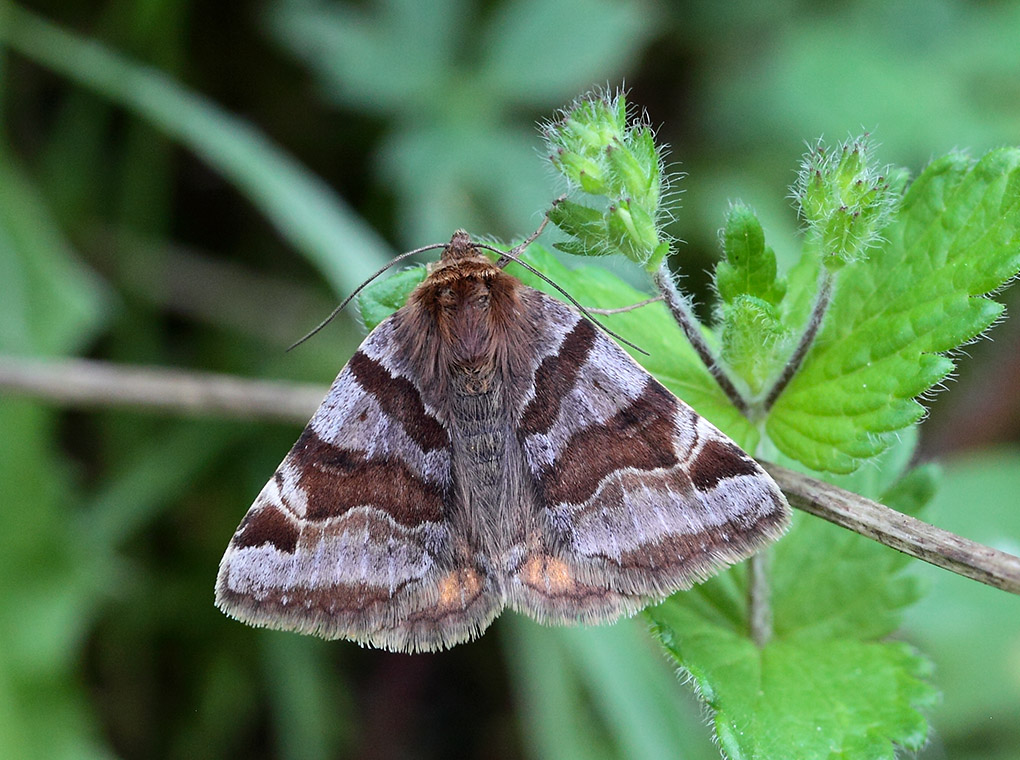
(758, 598)
(681, 311)
(823, 297)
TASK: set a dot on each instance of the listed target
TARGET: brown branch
(899, 531)
(87, 383)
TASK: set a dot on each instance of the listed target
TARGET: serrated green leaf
(955, 239)
(828, 685)
(382, 298)
(750, 266)
(819, 699)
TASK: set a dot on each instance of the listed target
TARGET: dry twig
(87, 383)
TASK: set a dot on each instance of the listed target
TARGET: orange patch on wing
(458, 588)
(548, 573)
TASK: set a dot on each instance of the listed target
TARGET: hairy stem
(681, 311)
(823, 297)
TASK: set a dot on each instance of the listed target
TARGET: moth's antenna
(519, 248)
(361, 287)
(513, 257)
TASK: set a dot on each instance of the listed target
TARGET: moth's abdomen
(479, 437)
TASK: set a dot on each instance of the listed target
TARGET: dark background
(128, 237)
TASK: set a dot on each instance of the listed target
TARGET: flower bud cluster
(600, 149)
(845, 201)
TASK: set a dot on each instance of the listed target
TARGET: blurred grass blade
(305, 211)
(556, 723)
(51, 304)
(311, 714)
(598, 692)
(635, 691)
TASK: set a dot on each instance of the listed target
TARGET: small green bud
(612, 157)
(754, 341)
(844, 199)
(633, 231)
(635, 173)
(589, 174)
(750, 266)
(586, 225)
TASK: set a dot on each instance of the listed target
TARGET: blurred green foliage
(141, 220)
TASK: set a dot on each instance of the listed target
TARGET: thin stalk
(681, 311)
(83, 383)
(758, 588)
(899, 531)
(823, 297)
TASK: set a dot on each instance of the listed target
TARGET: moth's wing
(638, 496)
(351, 538)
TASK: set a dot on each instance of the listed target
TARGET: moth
(487, 447)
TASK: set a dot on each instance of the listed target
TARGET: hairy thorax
(474, 307)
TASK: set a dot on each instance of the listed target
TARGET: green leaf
(750, 266)
(828, 684)
(39, 271)
(52, 579)
(955, 239)
(578, 39)
(813, 700)
(382, 298)
(585, 224)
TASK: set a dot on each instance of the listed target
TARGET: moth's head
(459, 249)
(468, 300)
(460, 283)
